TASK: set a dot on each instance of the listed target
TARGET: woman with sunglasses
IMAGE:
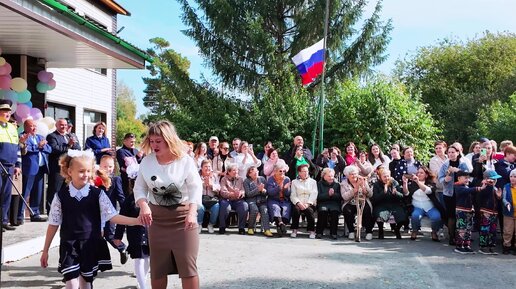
(278, 201)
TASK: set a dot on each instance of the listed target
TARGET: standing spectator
(34, 167)
(331, 158)
(236, 146)
(408, 165)
(303, 195)
(395, 158)
(126, 156)
(297, 160)
(482, 161)
(278, 198)
(60, 141)
(503, 167)
(221, 160)
(272, 160)
(351, 153)
(509, 213)
(232, 195)
(264, 156)
(487, 204)
(246, 158)
(168, 191)
(200, 153)
(377, 158)
(98, 142)
(10, 157)
(447, 177)
(298, 141)
(213, 143)
(364, 166)
(474, 149)
(436, 162)
(256, 198)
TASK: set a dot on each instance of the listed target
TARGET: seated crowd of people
(276, 190)
(398, 190)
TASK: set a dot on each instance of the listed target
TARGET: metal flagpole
(321, 102)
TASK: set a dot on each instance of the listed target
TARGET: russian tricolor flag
(310, 62)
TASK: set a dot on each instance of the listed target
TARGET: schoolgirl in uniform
(80, 208)
(115, 194)
(137, 237)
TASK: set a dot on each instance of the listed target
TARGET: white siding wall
(83, 89)
(91, 11)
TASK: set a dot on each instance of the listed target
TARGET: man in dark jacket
(125, 156)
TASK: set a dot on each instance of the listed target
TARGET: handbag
(208, 201)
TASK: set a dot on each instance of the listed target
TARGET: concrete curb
(25, 249)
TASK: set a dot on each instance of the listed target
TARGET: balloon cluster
(15, 89)
(46, 81)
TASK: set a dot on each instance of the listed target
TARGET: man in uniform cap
(10, 157)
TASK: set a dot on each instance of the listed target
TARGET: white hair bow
(78, 153)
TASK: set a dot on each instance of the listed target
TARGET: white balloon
(41, 128)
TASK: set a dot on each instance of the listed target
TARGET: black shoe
(506, 250)
(222, 231)
(397, 233)
(282, 229)
(334, 237)
(38, 219)
(8, 227)
(123, 257)
(241, 231)
(380, 235)
(18, 223)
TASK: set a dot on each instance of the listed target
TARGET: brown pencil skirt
(173, 250)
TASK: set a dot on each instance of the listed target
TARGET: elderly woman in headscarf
(351, 187)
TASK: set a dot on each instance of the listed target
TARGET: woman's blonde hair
(96, 125)
(167, 131)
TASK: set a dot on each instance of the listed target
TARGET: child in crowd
(487, 203)
(80, 209)
(137, 237)
(509, 214)
(115, 194)
(464, 212)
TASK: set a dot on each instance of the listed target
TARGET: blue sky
(416, 24)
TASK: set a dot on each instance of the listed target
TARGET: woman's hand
(145, 216)
(191, 221)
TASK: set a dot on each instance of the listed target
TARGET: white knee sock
(72, 284)
(141, 268)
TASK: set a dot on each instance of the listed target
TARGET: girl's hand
(117, 242)
(145, 216)
(44, 259)
(191, 221)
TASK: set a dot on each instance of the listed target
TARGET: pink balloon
(52, 83)
(23, 111)
(36, 113)
(5, 82)
(5, 69)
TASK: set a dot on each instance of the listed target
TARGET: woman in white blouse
(168, 191)
(303, 196)
(245, 159)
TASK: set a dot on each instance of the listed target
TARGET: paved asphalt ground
(234, 261)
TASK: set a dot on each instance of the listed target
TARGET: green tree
(458, 80)
(497, 120)
(126, 120)
(197, 110)
(379, 112)
(246, 42)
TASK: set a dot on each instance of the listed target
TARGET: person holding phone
(447, 177)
